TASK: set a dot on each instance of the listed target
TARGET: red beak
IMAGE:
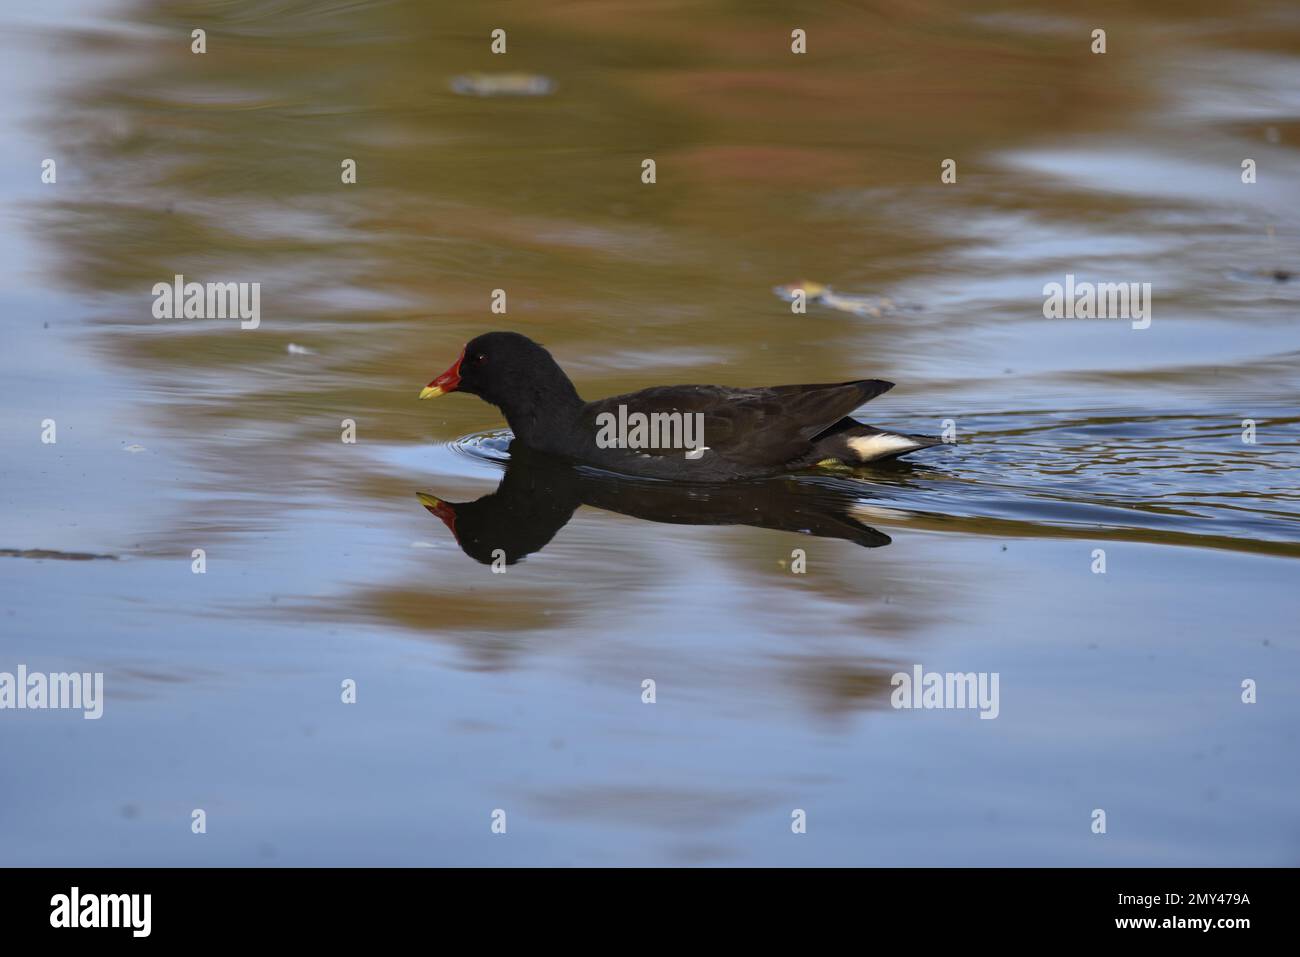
(447, 382)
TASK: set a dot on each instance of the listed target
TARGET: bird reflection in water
(539, 494)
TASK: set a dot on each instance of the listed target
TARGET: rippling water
(522, 690)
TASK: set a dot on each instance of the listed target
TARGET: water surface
(522, 690)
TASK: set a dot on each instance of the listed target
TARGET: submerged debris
(502, 84)
(858, 305)
(1276, 275)
(44, 553)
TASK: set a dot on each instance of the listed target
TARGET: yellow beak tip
(427, 500)
(430, 392)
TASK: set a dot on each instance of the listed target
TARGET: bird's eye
(480, 359)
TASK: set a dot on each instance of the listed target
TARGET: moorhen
(696, 433)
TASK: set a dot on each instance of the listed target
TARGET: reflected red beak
(447, 382)
(444, 510)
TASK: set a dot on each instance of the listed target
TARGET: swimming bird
(697, 433)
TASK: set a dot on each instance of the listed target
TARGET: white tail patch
(876, 513)
(868, 447)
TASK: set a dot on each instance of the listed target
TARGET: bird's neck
(543, 412)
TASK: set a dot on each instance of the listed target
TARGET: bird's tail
(865, 443)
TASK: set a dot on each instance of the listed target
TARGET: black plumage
(744, 432)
